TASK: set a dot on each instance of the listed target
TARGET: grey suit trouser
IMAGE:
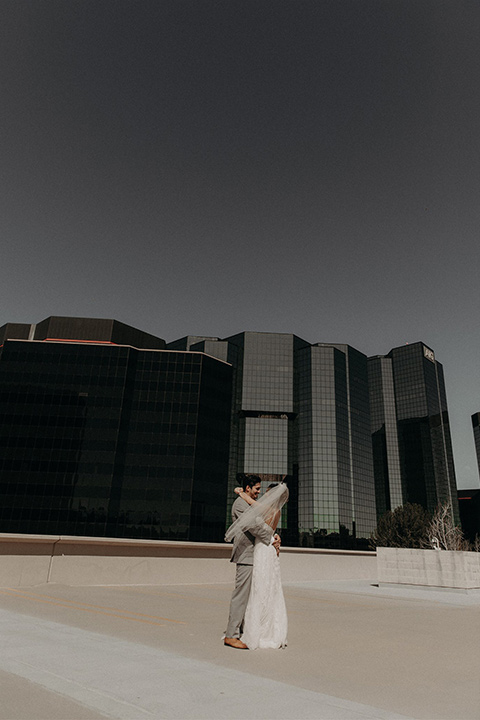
(238, 603)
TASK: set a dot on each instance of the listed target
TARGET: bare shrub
(405, 527)
(410, 526)
(445, 535)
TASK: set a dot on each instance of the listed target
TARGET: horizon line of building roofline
(201, 338)
(205, 338)
(108, 344)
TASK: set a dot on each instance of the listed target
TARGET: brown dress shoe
(235, 643)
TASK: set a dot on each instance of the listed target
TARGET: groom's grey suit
(242, 554)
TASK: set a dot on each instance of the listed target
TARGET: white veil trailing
(263, 511)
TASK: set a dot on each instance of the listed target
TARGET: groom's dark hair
(248, 480)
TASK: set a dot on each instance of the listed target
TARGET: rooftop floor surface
(355, 651)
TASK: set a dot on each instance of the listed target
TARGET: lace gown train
(265, 624)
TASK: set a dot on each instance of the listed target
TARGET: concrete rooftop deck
(134, 652)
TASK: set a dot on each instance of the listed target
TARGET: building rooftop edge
(104, 343)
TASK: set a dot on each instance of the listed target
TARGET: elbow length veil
(261, 512)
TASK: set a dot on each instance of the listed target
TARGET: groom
(242, 555)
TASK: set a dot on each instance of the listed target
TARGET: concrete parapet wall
(302, 564)
(27, 560)
(432, 568)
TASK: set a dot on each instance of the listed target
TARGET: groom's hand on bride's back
(277, 542)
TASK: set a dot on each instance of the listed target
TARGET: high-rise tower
(409, 385)
(302, 411)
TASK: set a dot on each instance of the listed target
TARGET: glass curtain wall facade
(267, 402)
(325, 491)
(302, 412)
(360, 443)
(113, 441)
(469, 508)
(335, 465)
(263, 430)
(105, 431)
(423, 429)
(388, 477)
(476, 436)
(262, 414)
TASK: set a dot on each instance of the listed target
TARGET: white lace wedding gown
(265, 624)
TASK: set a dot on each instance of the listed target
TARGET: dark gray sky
(213, 166)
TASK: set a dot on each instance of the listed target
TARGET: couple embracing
(258, 617)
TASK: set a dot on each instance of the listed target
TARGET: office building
(336, 484)
(415, 463)
(469, 500)
(389, 492)
(106, 433)
(300, 412)
(476, 436)
(469, 508)
(106, 430)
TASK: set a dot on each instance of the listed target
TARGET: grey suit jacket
(243, 543)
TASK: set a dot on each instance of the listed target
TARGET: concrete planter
(431, 568)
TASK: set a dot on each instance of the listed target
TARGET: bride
(265, 624)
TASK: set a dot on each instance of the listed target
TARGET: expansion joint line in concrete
(51, 560)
